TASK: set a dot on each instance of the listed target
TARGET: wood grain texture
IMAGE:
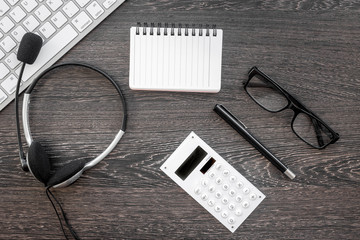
(310, 47)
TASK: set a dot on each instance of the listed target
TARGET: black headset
(37, 161)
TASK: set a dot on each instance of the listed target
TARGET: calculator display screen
(191, 163)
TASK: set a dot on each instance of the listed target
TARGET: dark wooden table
(310, 47)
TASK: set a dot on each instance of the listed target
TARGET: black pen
(241, 129)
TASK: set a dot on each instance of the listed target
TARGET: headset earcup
(38, 162)
(65, 173)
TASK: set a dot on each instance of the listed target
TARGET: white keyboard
(60, 23)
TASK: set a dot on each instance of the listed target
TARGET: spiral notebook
(175, 58)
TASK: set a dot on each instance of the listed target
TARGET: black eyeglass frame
(293, 104)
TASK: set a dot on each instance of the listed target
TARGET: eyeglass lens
(311, 130)
(266, 94)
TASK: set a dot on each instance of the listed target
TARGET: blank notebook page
(175, 59)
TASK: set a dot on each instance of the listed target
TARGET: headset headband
(25, 114)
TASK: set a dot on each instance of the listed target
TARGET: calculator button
(224, 214)
(217, 208)
(231, 220)
(211, 189)
(239, 184)
(225, 186)
(252, 196)
(238, 212)
(245, 204)
(219, 180)
(212, 174)
(218, 166)
(246, 190)
(204, 196)
(218, 195)
(225, 201)
(197, 190)
(232, 192)
(231, 206)
(232, 178)
(226, 172)
(238, 198)
(211, 202)
(204, 182)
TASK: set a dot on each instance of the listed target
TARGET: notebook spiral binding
(171, 30)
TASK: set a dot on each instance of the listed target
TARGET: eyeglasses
(273, 98)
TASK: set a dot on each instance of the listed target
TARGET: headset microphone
(29, 49)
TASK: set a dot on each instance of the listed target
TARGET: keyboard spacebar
(50, 49)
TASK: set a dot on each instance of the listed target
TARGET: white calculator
(212, 182)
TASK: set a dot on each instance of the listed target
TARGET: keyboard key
(9, 84)
(54, 4)
(31, 23)
(2, 54)
(17, 14)
(3, 7)
(59, 19)
(12, 2)
(29, 5)
(95, 10)
(42, 13)
(3, 71)
(81, 21)
(12, 61)
(108, 3)
(52, 47)
(7, 44)
(82, 3)
(6, 24)
(17, 71)
(47, 30)
(70, 9)
(3, 96)
(18, 33)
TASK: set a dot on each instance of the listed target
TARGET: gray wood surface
(310, 47)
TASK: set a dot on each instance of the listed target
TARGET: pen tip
(290, 174)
